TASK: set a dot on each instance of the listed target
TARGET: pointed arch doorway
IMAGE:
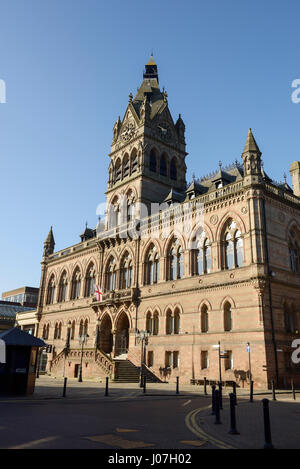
(122, 335)
(105, 339)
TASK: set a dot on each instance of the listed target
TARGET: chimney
(295, 173)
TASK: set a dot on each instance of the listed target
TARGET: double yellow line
(191, 423)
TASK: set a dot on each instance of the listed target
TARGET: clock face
(128, 132)
(164, 130)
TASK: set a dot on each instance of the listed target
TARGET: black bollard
(220, 395)
(233, 430)
(251, 391)
(144, 383)
(217, 405)
(234, 392)
(273, 391)
(267, 428)
(205, 384)
(293, 390)
(213, 400)
(177, 384)
(65, 387)
(106, 386)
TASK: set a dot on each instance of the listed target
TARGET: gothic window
(126, 272)
(176, 328)
(130, 206)
(76, 285)
(173, 170)
(152, 162)
(202, 256)
(72, 336)
(134, 161)
(126, 165)
(175, 261)
(86, 326)
(204, 319)
(149, 323)
(111, 274)
(227, 317)
(163, 165)
(294, 253)
(44, 336)
(114, 213)
(57, 330)
(233, 247)
(118, 170)
(63, 287)
(151, 266)
(169, 322)
(155, 328)
(51, 291)
(90, 281)
(290, 319)
(81, 328)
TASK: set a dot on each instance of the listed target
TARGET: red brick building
(215, 261)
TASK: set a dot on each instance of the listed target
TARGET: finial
(220, 164)
(130, 97)
(284, 175)
(194, 177)
(165, 96)
(86, 224)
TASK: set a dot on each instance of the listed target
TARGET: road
(144, 422)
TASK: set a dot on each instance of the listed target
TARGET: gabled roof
(15, 336)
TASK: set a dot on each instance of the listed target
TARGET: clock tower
(148, 149)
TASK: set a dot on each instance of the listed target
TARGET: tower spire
(251, 145)
(49, 244)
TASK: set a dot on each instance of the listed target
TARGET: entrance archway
(122, 335)
(105, 338)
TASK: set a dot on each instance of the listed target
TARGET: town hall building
(195, 279)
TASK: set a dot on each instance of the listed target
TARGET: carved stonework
(214, 219)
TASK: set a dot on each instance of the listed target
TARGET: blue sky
(69, 66)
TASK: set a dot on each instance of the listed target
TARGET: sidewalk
(284, 421)
(52, 388)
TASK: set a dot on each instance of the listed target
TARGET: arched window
(126, 168)
(233, 247)
(169, 322)
(151, 266)
(290, 319)
(76, 284)
(72, 336)
(118, 170)
(204, 319)
(86, 327)
(175, 261)
(59, 330)
(44, 336)
(202, 256)
(130, 206)
(163, 165)
(63, 287)
(51, 291)
(294, 253)
(176, 329)
(173, 170)
(81, 328)
(90, 281)
(152, 161)
(126, 272)
(155, 323)
(227, 317)
(149, 323)
(111, 275)
(134, 161)
(55, 331)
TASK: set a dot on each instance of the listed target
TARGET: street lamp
(67, 346)
(82, 340)
(142, 337)
(249, 356)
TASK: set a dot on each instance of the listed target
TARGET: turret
(49, 244)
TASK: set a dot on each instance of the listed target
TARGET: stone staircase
(127, 372)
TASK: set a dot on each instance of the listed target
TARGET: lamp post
(82, 340)
(249, 356)
(142, 337)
